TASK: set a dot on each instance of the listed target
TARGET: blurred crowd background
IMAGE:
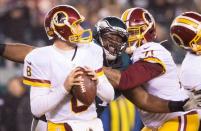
(22, 21)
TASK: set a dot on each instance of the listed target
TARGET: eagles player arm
(15, 51)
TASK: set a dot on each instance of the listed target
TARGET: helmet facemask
(113, 43)
(79, 34)
(136, 34)
(195, 44)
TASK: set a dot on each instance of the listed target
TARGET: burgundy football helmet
(140, 25)
(63, 22)
(185, 31)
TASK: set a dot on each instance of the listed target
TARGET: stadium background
(22, 21)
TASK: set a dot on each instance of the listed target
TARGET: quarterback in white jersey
(141, 28)
(51, 70)
(46, 75)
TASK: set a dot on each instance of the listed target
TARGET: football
(86, 93)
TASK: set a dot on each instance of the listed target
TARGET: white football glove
(194, 101)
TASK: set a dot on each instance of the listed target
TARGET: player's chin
(129, 50)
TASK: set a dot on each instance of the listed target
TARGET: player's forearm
(135, 75)
(105, 90)
(113, 76)
(145, 101)
(16, 51)
(150, 103)
(139, 73)
(43, 101)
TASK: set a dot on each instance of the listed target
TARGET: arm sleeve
(43, 97)
(44, 100)
(105, 90)
(139, 73)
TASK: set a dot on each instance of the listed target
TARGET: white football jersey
(48, 67)
(190, 74)
(165, 86)
(190, 68)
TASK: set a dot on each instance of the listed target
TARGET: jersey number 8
(28, 71)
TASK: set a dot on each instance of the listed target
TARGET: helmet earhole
(147, 17)
(177, 40)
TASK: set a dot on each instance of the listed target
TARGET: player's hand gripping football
(194, 101)
(73, 80)
(92, 73)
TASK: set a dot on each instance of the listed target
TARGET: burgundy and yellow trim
(156, 60)
(36, 82)
(99, 72)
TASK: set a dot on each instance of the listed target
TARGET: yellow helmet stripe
(187, 21)
(124, 15)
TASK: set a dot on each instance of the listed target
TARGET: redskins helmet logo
(60, 18)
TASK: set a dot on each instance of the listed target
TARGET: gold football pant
(58, 127)
(187, 122)
(90, 125)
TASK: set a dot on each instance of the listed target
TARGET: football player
(17, 52)
(107, 29)
(51, 72)
(185, 31)
(154, 69)
(107, 33)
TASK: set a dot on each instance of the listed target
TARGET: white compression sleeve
(44, 99)
(105, 90)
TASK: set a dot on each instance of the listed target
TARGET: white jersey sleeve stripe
(36, 82)
(155, 60)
